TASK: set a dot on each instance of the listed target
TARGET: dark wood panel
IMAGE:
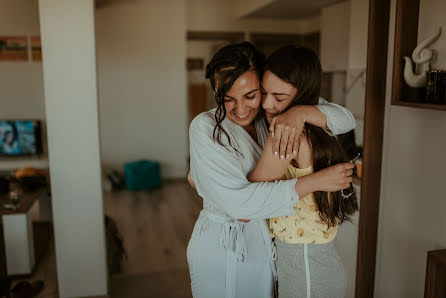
(435, 285)
(197, 99)
(373, 141)
(232, 37)
(406, 29)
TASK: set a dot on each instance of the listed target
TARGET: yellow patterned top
(305, 226)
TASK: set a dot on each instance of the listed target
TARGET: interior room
(97, 97)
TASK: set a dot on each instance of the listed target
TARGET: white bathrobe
(229, 258)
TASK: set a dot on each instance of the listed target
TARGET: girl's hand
(335, 178)
(286, 129)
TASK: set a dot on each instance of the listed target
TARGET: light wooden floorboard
(156, 226)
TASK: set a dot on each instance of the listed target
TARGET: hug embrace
(274, 180)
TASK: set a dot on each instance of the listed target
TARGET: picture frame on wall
(36, 48)
(13, 48)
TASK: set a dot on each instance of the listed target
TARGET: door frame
(375, 102)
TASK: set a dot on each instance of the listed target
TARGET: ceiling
(292, 9)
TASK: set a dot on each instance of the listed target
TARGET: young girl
(308, 264)
(228, 257)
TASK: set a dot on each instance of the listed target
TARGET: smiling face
(276, 95)
(242, 102)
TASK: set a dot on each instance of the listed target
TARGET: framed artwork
(36, 48)
(13, 48)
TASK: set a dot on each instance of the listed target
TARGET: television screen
(20, 137)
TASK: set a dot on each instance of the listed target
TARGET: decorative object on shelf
(406, 39)
(421, 56)
(436, 87)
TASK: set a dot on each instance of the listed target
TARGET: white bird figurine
(421, 56)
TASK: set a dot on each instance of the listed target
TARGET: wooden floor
(156, 226)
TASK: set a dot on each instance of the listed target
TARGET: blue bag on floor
(142, 174)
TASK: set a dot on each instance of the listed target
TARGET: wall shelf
(406, 31)
(420, 105)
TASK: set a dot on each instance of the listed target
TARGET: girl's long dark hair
(229, 63)
(300, 67)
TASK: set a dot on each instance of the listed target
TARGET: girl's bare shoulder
(304, 156)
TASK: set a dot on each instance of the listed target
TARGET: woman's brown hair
(229, 63)
(300, 67)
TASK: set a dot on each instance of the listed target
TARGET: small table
(18, 233)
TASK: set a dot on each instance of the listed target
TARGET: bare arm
(332, 178)
(287, 126)
(313, 116)
(270, 169)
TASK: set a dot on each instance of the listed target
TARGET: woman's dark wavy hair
(229, 63)
(300, 67)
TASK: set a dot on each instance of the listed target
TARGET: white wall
(413, 202)
(357, 63)
(141, 53)
(432, 16)
(219, 15)
(245, 7)
(69, 67)
(203, 49)
(141, 77)
(357, 60)
(334, 36)
(141, 72)
(21, 82)
(358, 31)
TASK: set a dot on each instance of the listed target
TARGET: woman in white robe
(229, 257)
